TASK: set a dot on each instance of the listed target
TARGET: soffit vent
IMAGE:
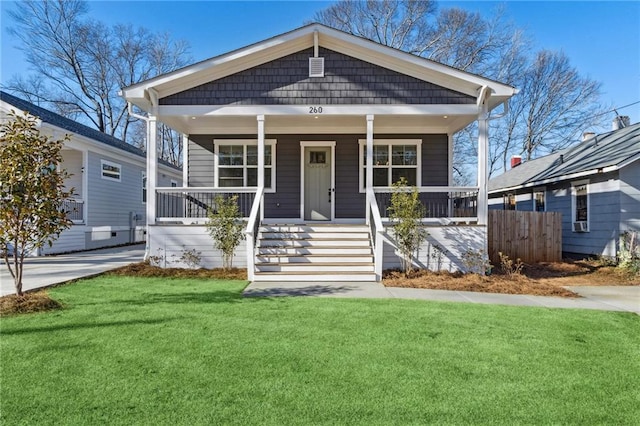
(316, 67)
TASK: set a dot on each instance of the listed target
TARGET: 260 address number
(315, 110)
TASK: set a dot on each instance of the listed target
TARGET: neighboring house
(311, 128)
(595, 185)
(108, 177)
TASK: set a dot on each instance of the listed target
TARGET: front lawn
(190, 351)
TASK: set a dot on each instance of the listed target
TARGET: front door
(318, 190)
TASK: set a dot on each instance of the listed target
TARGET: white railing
(251, 232)
(443, 203)
(191, 205)
(377, 232)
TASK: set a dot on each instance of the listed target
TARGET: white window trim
(245, 142)
(544, 198)
(574, 194)
(144, 187)
(362, 146)
(111, 164)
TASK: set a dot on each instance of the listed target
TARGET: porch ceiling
(317, 124)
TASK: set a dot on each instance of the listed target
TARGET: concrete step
(314, 228)
(309, 250)
(314, 267)
(314, 277)
(315, 259)
(312, 235)
(316, 242)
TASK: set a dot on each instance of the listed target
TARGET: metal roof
(73, 126)
(603, 152)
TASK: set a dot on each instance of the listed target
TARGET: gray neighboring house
(595, 185)
(310, 129)
(109, 177)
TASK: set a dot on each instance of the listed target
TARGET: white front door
(318, 189)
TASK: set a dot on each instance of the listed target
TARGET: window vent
(316, 67)
(580, 227)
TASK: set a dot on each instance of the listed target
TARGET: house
(310, 129)
(108, 177)
(595, 185)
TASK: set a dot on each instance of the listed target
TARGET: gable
(347, 81)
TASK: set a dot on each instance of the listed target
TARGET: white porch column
(483, 149)
(260, 151)
(152, 170)
(369, 159)
(185, 160)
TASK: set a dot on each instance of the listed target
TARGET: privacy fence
(530, 236)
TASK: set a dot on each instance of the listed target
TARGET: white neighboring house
(108, 177)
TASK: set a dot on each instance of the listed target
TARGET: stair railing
(377, 233)
(251, 232)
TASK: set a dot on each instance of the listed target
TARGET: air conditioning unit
(580, 227)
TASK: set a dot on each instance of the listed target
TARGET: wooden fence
(530, 236)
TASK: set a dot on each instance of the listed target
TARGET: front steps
(314, 252)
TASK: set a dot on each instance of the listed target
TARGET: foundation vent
(316, 67)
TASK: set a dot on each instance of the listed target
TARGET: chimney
(516, 160)
(587, 135)
(621, 121)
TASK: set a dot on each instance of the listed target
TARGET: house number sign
(315, 110)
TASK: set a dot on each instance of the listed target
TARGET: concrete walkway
(50, 270)
(612, 298)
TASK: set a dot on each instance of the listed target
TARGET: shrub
(476, 261)
(406, 211)
(191, 258)
(629, 253)
(225, 227)
(508, 266)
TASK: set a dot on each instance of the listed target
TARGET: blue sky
(602, 39)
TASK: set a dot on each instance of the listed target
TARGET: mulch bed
(143, 269)
(29, 302)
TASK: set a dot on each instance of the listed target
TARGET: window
(174, 183)
(510, 201)
(539, 200)
(237, 163)
(144, 187)
(392, 160)
(110, 171)
(580, 206)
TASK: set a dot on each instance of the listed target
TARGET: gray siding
(350, 203)
(347, 81)
(630, 197)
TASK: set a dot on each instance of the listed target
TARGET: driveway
(49, 270)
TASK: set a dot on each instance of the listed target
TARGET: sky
(601, 39)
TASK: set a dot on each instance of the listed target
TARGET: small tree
(225, 227)
(31, 191)
(406, 211)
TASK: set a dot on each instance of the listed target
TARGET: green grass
(160, 351)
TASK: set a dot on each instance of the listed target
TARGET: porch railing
(453, 204)
(251, 232)
(74, 209)
(192, 204)
(377, 230)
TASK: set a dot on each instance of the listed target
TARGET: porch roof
(146, 94)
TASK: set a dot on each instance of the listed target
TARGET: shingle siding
(347, 81)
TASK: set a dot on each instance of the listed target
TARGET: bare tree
(80, 64)
(555, 101)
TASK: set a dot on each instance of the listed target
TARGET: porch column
(152, 170)
(483, 148)
(369, 160)
(185, 160)
(260, 151)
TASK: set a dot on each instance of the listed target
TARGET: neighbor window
(580, 204)
(174, 183)
(237, 164)
(510, 202)
(144, 187)
(539, 200)
(110, 171)
(392, 160)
